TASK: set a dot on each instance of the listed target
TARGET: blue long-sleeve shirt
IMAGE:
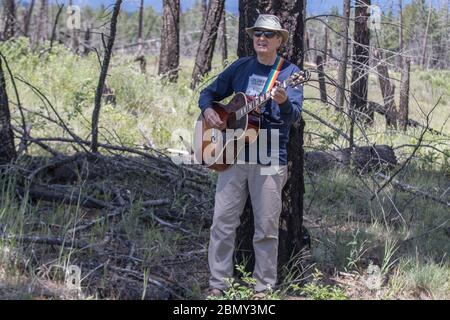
(249, 76)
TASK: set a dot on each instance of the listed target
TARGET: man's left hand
(279, 95)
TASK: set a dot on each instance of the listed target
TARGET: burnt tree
(87, 41)
(425, 39)
(53, 34)
(364, 159)
(360, 65)
(387, 89)
(10, 19)
(42, 27)
(342, 72)
(169, 58)
(307, 47)
(74, 32)
(325, 44)
(291, 14)
(27, 18)
(291, 231)
(204, 8)
(140, 53)
(207, 41)
(103, 73)
(403, 108)
(7, 148)
(400, 33)
(321, 77)
(223, 37)
(248, 13)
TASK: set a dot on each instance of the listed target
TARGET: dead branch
(102, 78)
(150, 278)
(411, 189)
(53, 37)
(329, 125)
(170, 225)
(71, 197)
(56, 163)
(51, 241)
(157, 202)
(419, 142)
(19, 104)
(62, 123)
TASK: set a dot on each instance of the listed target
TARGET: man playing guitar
(252, 75)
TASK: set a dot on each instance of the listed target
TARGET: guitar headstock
(299, 78)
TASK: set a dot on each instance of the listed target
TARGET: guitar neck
(255, 103)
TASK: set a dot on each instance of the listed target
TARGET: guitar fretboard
(261, 99)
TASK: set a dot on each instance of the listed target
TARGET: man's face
(266, 41)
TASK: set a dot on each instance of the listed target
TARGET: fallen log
(364, 158)
(71, 197)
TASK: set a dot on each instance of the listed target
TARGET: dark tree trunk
(291, 230)
(360, 68)
(7, 148)
(10, 19)
(204, 8)
(441, 49)
(140, 53)
(342, 72)
(87, 41)
(42, 29)
(404, 94)
(223, 37)
(425, 40)
(207, 41)
(387, 90)
(307, 47)
(446, 40)
(292, 14)
(27, 19)
(293, 236)
(141, 20)
(325, 45)
(321, 75)
(169, 58)
(247, 16)
(400, 34)
(74, 33)
(103, 73)
(314, 48)
(53, 36)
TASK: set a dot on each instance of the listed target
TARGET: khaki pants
(232, 190)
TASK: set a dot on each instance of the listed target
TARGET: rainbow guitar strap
(271, 80)
(273, 74)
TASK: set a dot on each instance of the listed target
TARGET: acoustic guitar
(218, 149)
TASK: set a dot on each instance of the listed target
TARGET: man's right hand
(213, 119)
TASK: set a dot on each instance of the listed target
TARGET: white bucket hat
(269, 22)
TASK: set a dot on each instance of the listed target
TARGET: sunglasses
(267, 34)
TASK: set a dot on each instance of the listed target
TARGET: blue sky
(313, 6)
